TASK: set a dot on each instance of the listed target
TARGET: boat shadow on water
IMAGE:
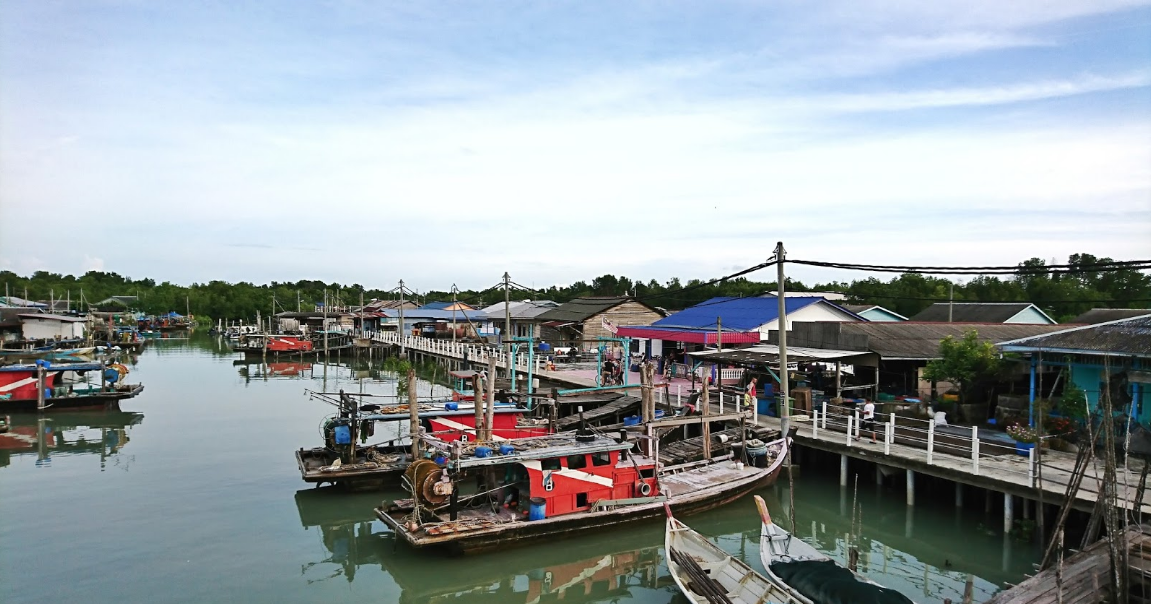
(586, 569)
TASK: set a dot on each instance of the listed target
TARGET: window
(550, 464)
(647, 473)
(601, 459)
(581, 500)
(576, 462)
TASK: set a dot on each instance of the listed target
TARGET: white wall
(45, 329)
(808, 314)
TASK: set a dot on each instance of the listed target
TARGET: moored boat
(46, 386)
(553, 486)
(373, 466)
(705, 573)
(813, 577)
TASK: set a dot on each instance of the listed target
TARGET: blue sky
(449, 142)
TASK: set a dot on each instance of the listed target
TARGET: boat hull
(517, 533)
(99, 401)
(357, 477)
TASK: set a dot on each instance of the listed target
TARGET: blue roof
(741, 314)
(435, 306)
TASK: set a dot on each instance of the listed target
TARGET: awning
(690, 336)
(769, 353)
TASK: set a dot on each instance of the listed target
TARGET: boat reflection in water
(62, 434)
(257, 370)
(579, 571)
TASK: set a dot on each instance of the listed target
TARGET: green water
(191, 494)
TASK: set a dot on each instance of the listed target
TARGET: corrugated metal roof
(1103, 315)
(521, 311)
(582, 309)
(50, 317)
(974, 312)
(769, 353)
(1125, 337)
(904, 340)
(736, 313)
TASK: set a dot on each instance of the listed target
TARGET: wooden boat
(707, 574)
(573, 481)
(812, 577)
(375, 466)
(21, 386)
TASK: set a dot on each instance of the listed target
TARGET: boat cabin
(569, 473)
(462, 384)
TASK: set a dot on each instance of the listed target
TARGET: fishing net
(825, 582)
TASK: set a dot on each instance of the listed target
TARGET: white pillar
(815, 424)
(1008, 512)
(910, 487)
(849, 418)
(842, 470)
(930, 440)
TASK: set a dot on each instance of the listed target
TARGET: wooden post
(785, 406)
(930, 440)
(647, 403)
(491, 399)
(413, 414)
(40, 387)
(478, 401)
(705, 403)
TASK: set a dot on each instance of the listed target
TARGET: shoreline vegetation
(1061, 295)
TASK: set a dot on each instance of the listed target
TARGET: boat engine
(429, 482)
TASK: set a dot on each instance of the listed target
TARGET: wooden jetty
(609, 407)
(1083, 577)
(691, 449)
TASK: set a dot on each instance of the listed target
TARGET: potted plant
(1025, 438)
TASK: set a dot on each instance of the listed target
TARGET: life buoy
(643, 488)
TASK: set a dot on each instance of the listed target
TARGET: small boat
(374, 466)
(476, 498)
(706, 574)
(812, 577)
(45, 386)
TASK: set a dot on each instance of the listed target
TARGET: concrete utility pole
(508, 325)
(324, 326)
(950, 301)
(454, 290)
(785, 406)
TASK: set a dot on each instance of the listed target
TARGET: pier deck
(1085, 575)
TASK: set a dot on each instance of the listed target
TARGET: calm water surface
(191, 494)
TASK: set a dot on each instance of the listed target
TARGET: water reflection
(61, 434)
(581, 570)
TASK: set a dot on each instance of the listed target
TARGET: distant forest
(1061, 295)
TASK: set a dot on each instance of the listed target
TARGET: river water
(191, 494)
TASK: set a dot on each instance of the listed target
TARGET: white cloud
(92, 264)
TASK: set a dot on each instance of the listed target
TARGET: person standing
(749, 398)
(868, 424)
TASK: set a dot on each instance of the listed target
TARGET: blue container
(632, 420)
(1024, 449)
(768, 390)
(440, 460)
(507, 449)
(538, 509)
(343, 435)
(483, 451)
(47, 393)
(452, 406)
(763, 406)
(658, 413)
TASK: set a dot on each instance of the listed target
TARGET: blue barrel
(538, 509)
(483, 451)
(111, 375)
(632, 420)
(658, 413)
(47, 393)
(507, 449)
(452, 406)
(441, 460)
(343, 435)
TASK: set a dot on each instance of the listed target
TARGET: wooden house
(581, 322)
(1022, 313)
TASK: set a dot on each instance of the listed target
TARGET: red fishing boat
(47, 386)
(259, 344)
(482, 496)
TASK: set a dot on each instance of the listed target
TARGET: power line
(1019, 270)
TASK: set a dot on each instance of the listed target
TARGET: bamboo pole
(413, 414)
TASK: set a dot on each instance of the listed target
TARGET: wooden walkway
(691, 449)
(613, 408)
(1084, 576)
(1005, 473)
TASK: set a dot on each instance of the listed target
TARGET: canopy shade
(690, 336)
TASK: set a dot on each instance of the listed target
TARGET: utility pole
(400, 329)
(324, 326)
(950, 300)
(297, 300)
(454, 312)
(785, 405)
(508, 323)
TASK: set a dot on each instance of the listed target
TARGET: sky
(448, 142)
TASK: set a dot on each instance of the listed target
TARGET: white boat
(707, 574)
(811, 576)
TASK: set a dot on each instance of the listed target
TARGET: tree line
(1061, 295)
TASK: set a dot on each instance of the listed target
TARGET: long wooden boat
(21, 385)
(574, 482)
(706, 574)
(811, 576)
(376, 466)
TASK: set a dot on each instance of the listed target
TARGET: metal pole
(324, 325)
(454, 312)
(400, 328)
(508, 328)
(785, 411)
(950, 300)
